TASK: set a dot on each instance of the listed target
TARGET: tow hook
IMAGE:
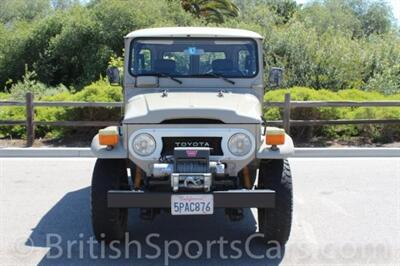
(234, 214)
(148, 214)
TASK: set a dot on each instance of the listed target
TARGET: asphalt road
(346, 211)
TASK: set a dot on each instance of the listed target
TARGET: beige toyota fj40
(193, 137)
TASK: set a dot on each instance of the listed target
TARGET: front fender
(101, 151)
(284, 151)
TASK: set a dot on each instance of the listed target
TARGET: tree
(285, 9)
(376, 18)
(213, 11)
(359, 17)
(13, 10)
(73, 45)
(64, 4)
(332, 44)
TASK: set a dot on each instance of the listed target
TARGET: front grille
(214, 143)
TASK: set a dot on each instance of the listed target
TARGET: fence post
(30, 128)
(286, 113)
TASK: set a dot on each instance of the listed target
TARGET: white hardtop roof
(194, 32)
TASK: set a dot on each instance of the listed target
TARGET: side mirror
(275, 77)
(113, 75)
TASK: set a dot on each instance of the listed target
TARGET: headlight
(144, 144)
(239, 144)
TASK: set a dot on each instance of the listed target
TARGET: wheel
(108, 223)
(276, 223)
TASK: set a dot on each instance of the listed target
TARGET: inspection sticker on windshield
(195, 204)
(193, 51)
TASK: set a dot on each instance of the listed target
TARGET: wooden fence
(287, 107)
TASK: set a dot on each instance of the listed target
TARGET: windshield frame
(197, 38)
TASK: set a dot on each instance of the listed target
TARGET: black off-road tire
(108, 223)
(276, 223)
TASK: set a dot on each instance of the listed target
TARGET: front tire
(276, 223)
(108, 223)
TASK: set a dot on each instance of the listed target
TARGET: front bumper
(261, 198)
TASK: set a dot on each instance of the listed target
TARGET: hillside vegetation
(330, 50)
(332, 44)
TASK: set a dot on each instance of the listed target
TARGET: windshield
(235, 58)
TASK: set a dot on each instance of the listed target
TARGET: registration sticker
(195, 204)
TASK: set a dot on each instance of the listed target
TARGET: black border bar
(260, 198)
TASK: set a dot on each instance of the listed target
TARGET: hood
(230, 108)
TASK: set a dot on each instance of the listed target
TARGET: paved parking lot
(347, 211)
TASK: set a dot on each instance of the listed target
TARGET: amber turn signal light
(274, 136)
(108, 136)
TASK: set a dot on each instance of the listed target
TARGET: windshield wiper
(165, 75)
(216, 75)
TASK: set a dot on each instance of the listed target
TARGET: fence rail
(296, 104)
(287, 107)
(63, 104)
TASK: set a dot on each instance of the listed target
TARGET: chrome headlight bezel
(236, 142)
(147, 144)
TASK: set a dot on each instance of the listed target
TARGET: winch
(191, 169)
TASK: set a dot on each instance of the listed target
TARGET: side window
(244, 61)
(144, 60)
(247, 62)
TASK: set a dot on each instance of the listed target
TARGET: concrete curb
(346, 152)
(45, 152)
(299, 152)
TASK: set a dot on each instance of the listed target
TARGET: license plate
(201, 204)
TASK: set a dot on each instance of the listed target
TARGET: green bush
(12, 113)
(4, 96)
(99, 91)
(29, 83)
(374, 132)
(18, 92)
